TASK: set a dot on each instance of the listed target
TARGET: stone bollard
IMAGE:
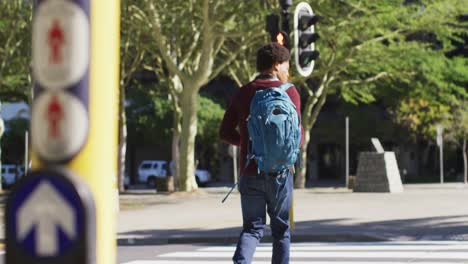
(378, 172)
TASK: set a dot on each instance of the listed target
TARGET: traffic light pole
(285, 16)
(285, 27)
(98, 161)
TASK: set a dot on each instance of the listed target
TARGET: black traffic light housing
(305, 38)
(272, 26)
(276, 35)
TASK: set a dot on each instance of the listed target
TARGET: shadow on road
(327, 230)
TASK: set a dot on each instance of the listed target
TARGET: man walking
(262, 190)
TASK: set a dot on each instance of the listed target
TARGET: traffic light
(276, 35)
(305, 38)
(282, 38)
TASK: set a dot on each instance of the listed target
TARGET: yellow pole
(97, 162)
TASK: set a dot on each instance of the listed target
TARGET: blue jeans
(261, 194)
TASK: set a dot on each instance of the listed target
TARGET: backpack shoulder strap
(285, 86)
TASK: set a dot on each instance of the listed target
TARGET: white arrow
(46, 210)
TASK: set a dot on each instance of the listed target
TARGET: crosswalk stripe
(388, 252)
(269, 262)
(334, 254)
(349, 248)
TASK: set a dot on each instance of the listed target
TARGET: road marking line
(424, 252)
(349, 248)
(334, 254)
(269, 262)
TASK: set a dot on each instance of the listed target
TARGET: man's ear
(276, 67)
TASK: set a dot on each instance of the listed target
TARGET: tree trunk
(309, 116)
(465, 161)
(417, 154)
(175, 149)
(175, 160)
(122, 142)
(187, 144)
(1, 187)
(175, 89)
(300, 181)
(2, 128)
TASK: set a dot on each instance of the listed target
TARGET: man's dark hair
(270, 54)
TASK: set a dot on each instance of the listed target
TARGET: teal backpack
(274, 130)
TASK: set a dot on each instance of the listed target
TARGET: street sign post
(74, 138)
(50, 218)
(61, 58)
(440, 143)
(347, 151)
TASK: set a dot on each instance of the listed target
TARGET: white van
(9, 172)
(201, 176)
(149, 170)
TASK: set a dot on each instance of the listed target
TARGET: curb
(133, 241)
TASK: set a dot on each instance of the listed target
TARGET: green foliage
(150, 119)
(421, 117)
(384, 51)
(132, 53)
(230, 30)
(188, 43)
(210, 115)
(456, 125)
(15, 49)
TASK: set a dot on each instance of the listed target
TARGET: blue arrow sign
(46, 215)
(46, 212)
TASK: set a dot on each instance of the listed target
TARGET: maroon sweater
(237, 113)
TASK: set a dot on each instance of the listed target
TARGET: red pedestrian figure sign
(56, 39)
(54, 117)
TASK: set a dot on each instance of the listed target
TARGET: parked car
(10, 173)
(149, 170)
(202, 177)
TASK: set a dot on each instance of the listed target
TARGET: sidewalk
(421, 212)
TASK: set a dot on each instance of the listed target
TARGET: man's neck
(267, 76)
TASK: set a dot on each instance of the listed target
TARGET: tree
(150, 119)
(15, 47)
(457, 132)
(210, 115)
(188, 38)
(368, 53)
(2, 129)
(131, 56)
(15, 50)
